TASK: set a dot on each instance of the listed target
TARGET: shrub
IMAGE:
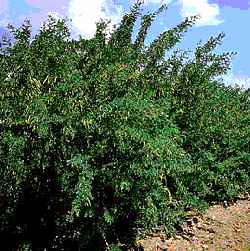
(103, 140)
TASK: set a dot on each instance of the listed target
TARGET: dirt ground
(220, 228)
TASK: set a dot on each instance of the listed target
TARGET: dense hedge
(102, 140)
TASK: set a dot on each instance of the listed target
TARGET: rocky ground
(221, 227)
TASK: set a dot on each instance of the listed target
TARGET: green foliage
(102, 141)
(215, 121)
(145, 24)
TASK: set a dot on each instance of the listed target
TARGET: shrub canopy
(102, 140)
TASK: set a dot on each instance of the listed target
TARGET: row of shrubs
(105, 140)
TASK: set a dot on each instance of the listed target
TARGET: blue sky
(229, 16)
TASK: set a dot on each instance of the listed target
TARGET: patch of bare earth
(220, 228)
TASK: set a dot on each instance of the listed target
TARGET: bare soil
(221, 227)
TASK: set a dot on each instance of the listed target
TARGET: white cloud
(85, 15)
(234, 79)
(209, 13)
(157, 1)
